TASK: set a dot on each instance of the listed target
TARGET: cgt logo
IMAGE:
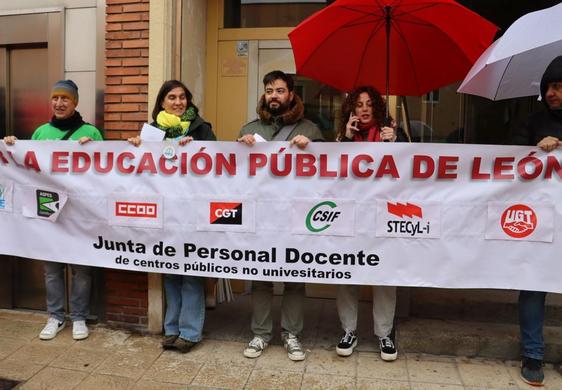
(518, 221)
(404, 210)
(319, 216)
(47, 203)
(225, 213)
(136, 209)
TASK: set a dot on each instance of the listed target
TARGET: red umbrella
(403, 47)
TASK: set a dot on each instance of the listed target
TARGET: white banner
(455, 216)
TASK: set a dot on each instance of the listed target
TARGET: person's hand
(388, 134)
(135, 141)
(10, 139)
(83, 140)
(548, 144)
(351, 126)
(185, 140)
(247, 139)
(301, 141)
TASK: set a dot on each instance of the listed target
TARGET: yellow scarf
(170, 121)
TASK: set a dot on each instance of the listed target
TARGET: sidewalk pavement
(118, 359)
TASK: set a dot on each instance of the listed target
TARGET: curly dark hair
(348, 106)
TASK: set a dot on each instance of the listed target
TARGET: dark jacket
(198, 129)
(547, 122)
(268, 126)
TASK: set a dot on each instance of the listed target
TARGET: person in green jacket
(281, 118)
(65, 124)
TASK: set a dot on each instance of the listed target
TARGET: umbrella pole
(407, 118)
(387, 10)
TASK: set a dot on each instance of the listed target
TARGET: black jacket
(198, 129)
(544, 123)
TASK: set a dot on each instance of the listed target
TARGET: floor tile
(55, 378)
(222, 375)
(262, 379)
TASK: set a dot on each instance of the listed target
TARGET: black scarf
(72, 123)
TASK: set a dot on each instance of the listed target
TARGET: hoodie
(547, 122)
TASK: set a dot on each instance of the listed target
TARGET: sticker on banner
(169, 152)
(232, 215)
(43, 203)
(408, 219)
(135, 210)
(520, 222)
(328, 217)
(6, 190)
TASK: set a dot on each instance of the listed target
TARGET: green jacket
(268, 126)
(47, 132)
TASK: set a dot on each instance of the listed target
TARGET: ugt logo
(519, 221)
(47, 203)
(225, 213)
(319, 216)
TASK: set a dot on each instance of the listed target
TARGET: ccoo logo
(136, 209)
(225, 213)
(319, 217)
(518, 221)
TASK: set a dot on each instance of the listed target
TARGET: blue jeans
(531, 323)
(185, 306)
(56, 290)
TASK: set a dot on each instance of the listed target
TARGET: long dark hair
(164, 89)
(350, 102)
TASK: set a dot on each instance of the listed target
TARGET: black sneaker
(388, 349)
(531, 371)
(347, 343)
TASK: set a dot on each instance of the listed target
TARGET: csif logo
(518, 221)
(321, 215)
(404, 210)
(136, 209)
(47, 203)
(225, 213)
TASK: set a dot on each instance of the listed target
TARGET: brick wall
(126, 298)
(125, 110)
(126, 67)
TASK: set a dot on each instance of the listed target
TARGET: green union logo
(47, 203)
(318, 218)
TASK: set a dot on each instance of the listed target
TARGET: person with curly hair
(364, 109)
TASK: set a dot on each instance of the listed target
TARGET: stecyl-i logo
(405, 224)
(47, 203)
(225, 213)
(321, 216)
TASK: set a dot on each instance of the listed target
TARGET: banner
(435, 215)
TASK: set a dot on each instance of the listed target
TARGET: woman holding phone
(364, 109)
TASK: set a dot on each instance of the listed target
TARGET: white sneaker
(293, 347)
(50, 330)
(79, 330)
(255, 347)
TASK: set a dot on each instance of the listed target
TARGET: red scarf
(368, 132)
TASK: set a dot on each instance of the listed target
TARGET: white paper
(151, 133)
(259, 138)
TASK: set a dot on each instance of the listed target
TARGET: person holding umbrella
(543, 129)
(365, 109)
